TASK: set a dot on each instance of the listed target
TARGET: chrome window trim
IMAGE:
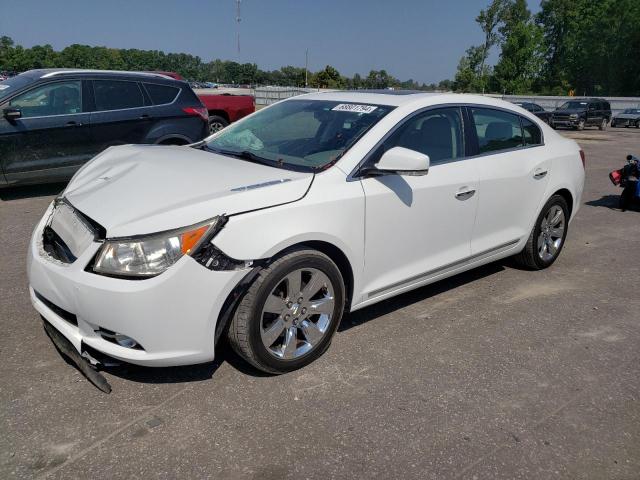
(161, 85)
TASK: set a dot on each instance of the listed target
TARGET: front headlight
(573, 115)
(151, 254)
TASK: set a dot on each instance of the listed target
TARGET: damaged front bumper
(171, 318)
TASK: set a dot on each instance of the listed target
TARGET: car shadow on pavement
(611, 202)
(30, 191)
(188, 373)
(385, 307)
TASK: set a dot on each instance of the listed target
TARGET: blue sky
(417, 39)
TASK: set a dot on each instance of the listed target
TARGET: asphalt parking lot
(497, 373)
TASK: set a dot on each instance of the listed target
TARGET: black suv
(52, 121)
(582, 113)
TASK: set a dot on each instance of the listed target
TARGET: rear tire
(547, 236)
(216, 123)
(287, 318)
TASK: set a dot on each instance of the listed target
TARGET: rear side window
(117, 94)
(436, 133)
(496, 130)
(161, 94)
(531, 132)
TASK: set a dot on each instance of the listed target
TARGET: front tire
(287, 318)
(547, 236)
(581, 124)
(603, 124)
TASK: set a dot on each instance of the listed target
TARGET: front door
(51, 138)
(417, 226)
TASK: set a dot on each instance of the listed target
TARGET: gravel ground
(496, 373)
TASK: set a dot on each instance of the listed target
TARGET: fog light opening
(119, 339)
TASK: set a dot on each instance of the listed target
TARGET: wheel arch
(219, 113)
(566, 194)
(333, 252)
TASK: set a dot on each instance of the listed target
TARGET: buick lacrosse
(272, 229)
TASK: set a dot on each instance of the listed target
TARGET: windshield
(573, 105)
(632, 110)
(305, 135)
(13, 84)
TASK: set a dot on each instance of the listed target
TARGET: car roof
(397, 99)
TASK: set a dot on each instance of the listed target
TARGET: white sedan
(269, 231)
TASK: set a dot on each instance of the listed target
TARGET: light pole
(306, 67)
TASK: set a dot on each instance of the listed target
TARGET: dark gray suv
(582, 113)
(53, 121)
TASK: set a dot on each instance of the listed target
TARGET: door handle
(464, 194)
(74, 124)
(145, 117)
(540, 173)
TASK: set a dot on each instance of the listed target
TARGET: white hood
(140, 189)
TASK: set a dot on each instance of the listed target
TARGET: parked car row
(628, 118)
(577, 114)
(53, 121)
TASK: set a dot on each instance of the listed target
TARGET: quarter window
(161, 94)
(117, 95)
(531, 133)
(59, 98)
(496, 130)
(436, 133)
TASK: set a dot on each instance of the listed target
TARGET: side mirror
(401, 161)
(12, 113)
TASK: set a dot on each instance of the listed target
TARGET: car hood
(140, 189)
(631, 116)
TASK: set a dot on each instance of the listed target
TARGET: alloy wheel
(215, 127)
(551, 234)
(297, 313)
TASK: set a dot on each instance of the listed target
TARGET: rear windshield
(13, 84)
(572, 105)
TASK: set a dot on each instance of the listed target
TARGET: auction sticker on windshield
(352, 107)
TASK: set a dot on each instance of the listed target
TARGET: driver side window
(59, 98)
(436, 133)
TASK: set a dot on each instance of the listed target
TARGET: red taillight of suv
(583, 158)
(200, 111)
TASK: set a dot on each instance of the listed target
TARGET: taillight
(200, 111)
(582, 157)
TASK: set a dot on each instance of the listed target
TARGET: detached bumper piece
(65, 347)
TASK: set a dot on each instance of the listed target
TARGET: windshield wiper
(244, 155)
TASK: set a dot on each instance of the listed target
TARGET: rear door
(51, 139)
(513, 169)
(122, 115)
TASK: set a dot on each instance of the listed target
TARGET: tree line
(15, 58)
(584, 47)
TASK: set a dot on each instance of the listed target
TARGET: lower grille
(62, 313)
